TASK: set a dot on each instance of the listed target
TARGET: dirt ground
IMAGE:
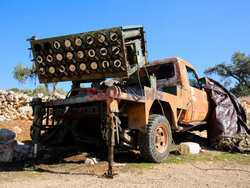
(21, 127)
(163, 175)
(64, 167)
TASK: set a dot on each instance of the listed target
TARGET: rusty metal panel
(136, 115)
(200, 104)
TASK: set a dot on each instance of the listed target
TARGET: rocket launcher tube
(78, 42)
(104, 53)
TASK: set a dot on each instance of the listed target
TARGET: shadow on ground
(74, 154)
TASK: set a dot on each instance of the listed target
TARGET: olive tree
(22, 73)
(239, 70)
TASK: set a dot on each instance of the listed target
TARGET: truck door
(199, 97)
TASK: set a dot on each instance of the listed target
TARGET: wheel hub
(161, 139)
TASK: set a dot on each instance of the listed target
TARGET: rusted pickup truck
(139, 112)
(140, 105)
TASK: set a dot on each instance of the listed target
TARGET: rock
(238, 143)
(16, 99)
(25, 110)
(59, 96)
(13, 117)
(30, 117)
(5, 103)
(6, 151)
(95, 160)
(11, 92)
(2, 118)
(90, 161)
(2, 98)
(7, 116)
(21, 151)
(23, 98)
(23, 117)
(3, 92)
(28, 99)
(40, 95)
(10, 107)
(9, 98)
(17, 105)
(6, 135)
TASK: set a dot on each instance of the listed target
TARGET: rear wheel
(155, 142)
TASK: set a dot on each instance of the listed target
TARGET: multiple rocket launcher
(109, 53)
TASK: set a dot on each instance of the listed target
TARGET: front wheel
(155, 142)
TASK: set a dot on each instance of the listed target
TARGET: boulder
(6, 135)
(21, 151)
(6, 151)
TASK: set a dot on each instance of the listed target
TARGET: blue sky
(201, 32)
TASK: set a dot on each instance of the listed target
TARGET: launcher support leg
(111, 144)
(35, 131)
(112, 108)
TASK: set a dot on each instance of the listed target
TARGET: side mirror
(202, 82)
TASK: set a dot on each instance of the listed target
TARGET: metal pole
(38, 112)
(111, 144)
(35, 150)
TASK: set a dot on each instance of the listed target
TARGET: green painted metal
(132, 27)
(132, 33)
(170, 89)
(89, 56)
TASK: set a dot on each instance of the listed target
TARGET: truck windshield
(193, 81)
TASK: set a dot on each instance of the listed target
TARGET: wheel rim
(161, 139)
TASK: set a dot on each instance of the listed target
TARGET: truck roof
(168, 60)
(175, 60)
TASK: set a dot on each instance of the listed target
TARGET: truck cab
(173, 73)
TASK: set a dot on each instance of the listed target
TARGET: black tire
(147, 139)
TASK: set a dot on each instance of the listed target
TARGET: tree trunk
(54, 88)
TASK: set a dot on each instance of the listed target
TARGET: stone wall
(16, 106)
(246, 105)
